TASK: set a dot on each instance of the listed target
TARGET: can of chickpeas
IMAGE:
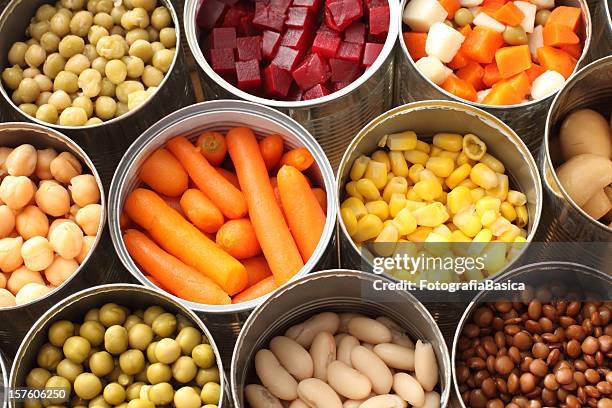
(560, 299)
(49, 146)
(80, 76)
(327, 301)
(525, 118)
(120, 319)
(220, 116)
(332, 119)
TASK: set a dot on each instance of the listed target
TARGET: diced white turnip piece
(546, 84)
(433, 69)
(470, 3)
(485, 20)
(480, 95)
(474, 10)
(529, 10)
(419, 15)
(443, 42)
(543, 4)
(535, 41)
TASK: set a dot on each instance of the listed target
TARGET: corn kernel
(385, 242)
(487, 203)
(494, 257)
(368, 227)
(440, 166)
(458, 199)
(448, 155)
(487, 217)
(468, 221)
(414, 173)
(399, 167)
(517, 198)
(473, 147)
(437, 244)
(428, 175)
(367, 189)
(500, 226)
(396, 203)
(379, 208)
(507, 211)
(493, 163)
(523, 233)
(520, 240)
(443, 230)
(395, 185)
(458, 236)
(509, 236)
(501, 191)
(483, 176)
(420, 234)
(356, 205)
(435, 150)
(416, 157)
(402, 141)
(386, 222)
(382, 142)
(458, 175)
(405, 222)
(479, 242)
(468, 183)
(406, 247)
(427, 190)
(390, 175)
(463, 159)
(431, 215)
(382, 157)
(477, 193)
(517, 247)
(443, 197)
(349, 219)
(413, 205)
(412, 195)
(448, 141)
(460, 243)
(359, 167)
(522, 217)
(351, 189)
(377, 172)
(423, 147)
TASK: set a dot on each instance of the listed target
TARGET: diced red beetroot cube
(248, 48)
(370, 4)
(245, 27)
(349, 51)
(266, 17)
(326, 42)
(229, 2)
(270, 42)
(370, 53)
(299, 17)
(312, 71)
(379, 20)
(377, 38)
(344, 71)
(287, 58)
(247, 74)
(277, 81)
(339, 14)
(336, 86)
(209, 13)
(355, 33)
(313, 5)
(280, 6)
(295, 94)
(223, 37)
(233, 16)
(296, 38)
(315, 92)
(222, 60)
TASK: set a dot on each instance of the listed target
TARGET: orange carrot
(164, 173)
(175, 203)
(124, 220)
(534, 72)
(257, 268)
(272, 148)
(274, 182)
(491, 6)
(491, 75)
(565, 15)
(415, 44)
(520, 83)
(271, 229)
(237, 238)
(460, 60)
(481, 44)
(201, 211)
(513, 60)
(304, 213)
(465, 30)
(277, 197)
(213, 147)
(451, 7)
(258, 290)
(575, 50)
(179, 279)
(556, 60)
(155, 282)
(472, 73)
(229, 176)
(181, 239)
(220, 191)
(502, 94)
(556, 35)
(460, 88)
(509, 14)
(299, 158)
(321, 197)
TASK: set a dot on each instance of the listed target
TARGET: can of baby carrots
(602, 28)
(332, 119)
(526, 119)
(220, 116)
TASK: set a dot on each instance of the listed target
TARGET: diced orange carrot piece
(451, 6)
(472, 73)
(556, 34)
(502, 94)
(520, 83)
(490, 7)
(509, 14)
(513, 60)
(557, 60)
(565, 15)
(415, 43)
(534, 72)
(481, 44)
(575, 50)
(491, 75)
(465, 30)
(460, 88)
(460, 60)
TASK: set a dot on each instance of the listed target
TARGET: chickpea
(64, 10)
(31, 292)
(31, 41)
(93, 121)
(6, 299)
(122, 109)
(21, 161)
(99, 64)
(60, 24)
(44, 12)
(73, 4)
(44, 83)
(28, 108)
(84, 103)
(77, 64)
(10, 254)
(141, 49)
(43, 99)
(104, 6)
(35, 56)
(153, 33)
(157, 46)
(117, 12)
(16, 54)
(161, 18)
(54, 64)
(90, 82)
(152, 76)
(167, 36)
(50, 42)
(95, 34)
(30, 72)
(84, 189)
(162, 60)
(16, 97)
(137, 98)
(88, 243)
(73, 116)
(108, 88)
(66, 81)
(37, 254)
(117, 30)
(38, 28)
(89, 218)
(135, 18)
(126, 88)
(52, 198)
(116, 71)
(104, 19)
(148, 5)
(80, 23)
(28, 90)
(31, 222)
(60, 270)
(7, 221)
(16, 191)
(105, 107)
(12, 77)
(187, 397)
(134, 65)
(67, 240)
(136, 34)
(90, 52)
(47, 113)
(110, 47)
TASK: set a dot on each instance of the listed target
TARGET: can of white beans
(602, 28)
(340, 291)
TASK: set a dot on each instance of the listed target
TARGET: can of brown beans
(547, 345)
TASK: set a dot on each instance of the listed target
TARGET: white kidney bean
(298, 403)
(345, 318)
(395, 356)
(398, 335)
(389, 323)
(292, 356)
(407, 387)
(346, 345)
(294, 331)
(384, 401)
(352, 403)
(338, 338)
(432, 400)
(259, 397)
(274, 376)
(369, 330)
(317, 394)
(425, 365)
(326, 321)
(347, 381)
(323, 352)
(370, 365)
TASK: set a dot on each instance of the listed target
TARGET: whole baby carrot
(260, 289)
(220, 191)
(271, 229)
(299, 158)
(213, 147)
(183, 240)
(304, 213)
(237, 238)
(164, 174)
(201, 211)
(170, 273)
(321, 196)
(257, 268)
(229, 176)
(272, 148)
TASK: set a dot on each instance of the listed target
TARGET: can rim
(4, 375)
(607, 6)
(114, 287)
(189, 16)
(547, 162)
(501, 108)
(168, 4)
(72, 147)
(478, 297)
(151, 134)
(347, 273)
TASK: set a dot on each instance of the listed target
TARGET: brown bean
(572, 348)
(538, 367)
(535, 309)
(564, 376)
(546, 324)
(590, 345)
(540, 350)
(550, 382)
(471, 330)
(513, 383)
(532, 326)
(604, 387)
(553, 357)
(477, 399)
(528, 382)
(514, 354)
(575, 332)
(483, 316)
(489, 388)
(522, 340)
(504, 365)
(592, 376)
(605, 343)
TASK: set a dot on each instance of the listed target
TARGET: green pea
(515, 35)
(463, 17)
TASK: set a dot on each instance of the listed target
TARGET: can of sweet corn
(526, 119)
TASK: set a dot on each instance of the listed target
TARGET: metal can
(74, 307)
(334, 119)
(541, 280)
(602, 28)
(3, 382)
(221, 116)
(333, 291)
(526, 119)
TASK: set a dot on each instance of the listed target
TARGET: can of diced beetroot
(526, 118)
(333, 119)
